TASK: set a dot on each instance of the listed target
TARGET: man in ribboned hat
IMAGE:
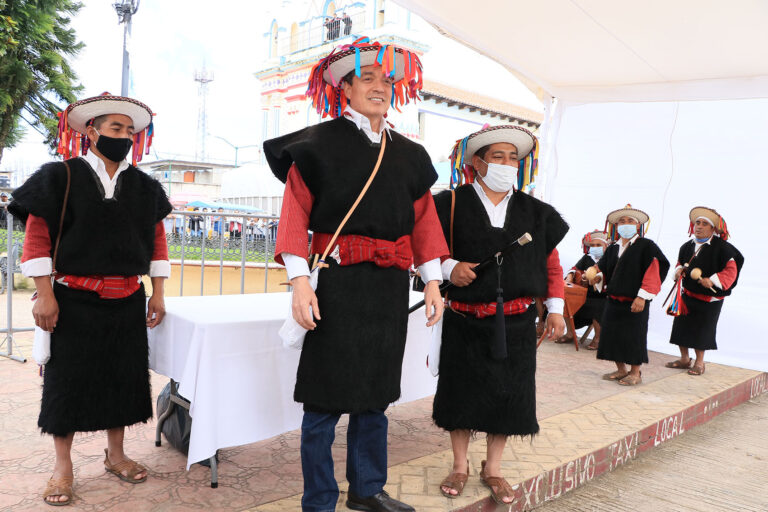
(699, 295)
(594, 245)
(94, 225)
(487, 378)
(351, 360)
(633, 268)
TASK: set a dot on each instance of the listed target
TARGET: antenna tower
(203, 78)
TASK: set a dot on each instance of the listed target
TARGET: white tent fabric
(616, 50)
(658, 104)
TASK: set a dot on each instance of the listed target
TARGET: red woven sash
(485, 309)
(108, 287)
(357, 249)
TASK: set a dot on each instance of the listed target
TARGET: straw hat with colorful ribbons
(710, 215)
(602, 236)
(73, 122)
(324, 85)
(527, 151)
(612, 220)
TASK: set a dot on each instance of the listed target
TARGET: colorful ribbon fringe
(677, 307)
(330, 100)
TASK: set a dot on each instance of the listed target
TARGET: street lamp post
(125, 11)
(236, 148)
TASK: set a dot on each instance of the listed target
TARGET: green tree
(35, 42)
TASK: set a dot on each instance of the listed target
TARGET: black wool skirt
(698, 328)
(477, 392)
(624, 335)
(353, 360)
(591, 310)
(98, 374)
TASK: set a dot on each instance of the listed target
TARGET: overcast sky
(172, 39)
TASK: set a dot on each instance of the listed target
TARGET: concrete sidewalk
(716, 467)
(588, 427)
(578, 445)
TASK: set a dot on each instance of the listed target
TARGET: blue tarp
(227, 206)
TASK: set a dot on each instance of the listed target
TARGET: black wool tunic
(595, 304)
(698, 328)
(475, 391)
(624, 335)
(98, 375)
(352, 361)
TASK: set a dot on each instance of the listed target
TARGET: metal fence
(213, 238)
(203, 239)
(9, 265)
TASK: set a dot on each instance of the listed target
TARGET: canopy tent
(659, 104)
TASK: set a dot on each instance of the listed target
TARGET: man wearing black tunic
(695, 325)
(594, 244)
(477, 389)
(97, 377)
(633, 269)
(352, 356)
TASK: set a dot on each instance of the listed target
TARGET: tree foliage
(35, 42)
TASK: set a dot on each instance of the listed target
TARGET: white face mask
(500, 178)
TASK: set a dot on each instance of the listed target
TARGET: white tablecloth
(230, 363)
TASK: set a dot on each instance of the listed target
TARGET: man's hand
(678, 272)
(433, 302)
(304, 298)
(155, 310)
(46, 309)
(554, 326)
(706, 282)
(569, 278)
(637, 305)
(462, 274)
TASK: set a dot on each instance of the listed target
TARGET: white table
(231, 365)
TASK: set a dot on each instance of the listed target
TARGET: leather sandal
(565, 338)
(499, 487)
(58, 487)
(697, 370)
(454, 481)
(617, 375)
(679, 364)
(132, 468)
(631, 380)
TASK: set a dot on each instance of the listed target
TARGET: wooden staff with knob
(524, 239)
(696, 276)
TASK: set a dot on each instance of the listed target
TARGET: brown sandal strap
(59, 487)
(131, 467)
(455, 481)
(500, 488)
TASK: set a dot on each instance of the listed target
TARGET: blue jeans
(366, 457)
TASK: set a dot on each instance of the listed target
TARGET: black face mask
(112, 148)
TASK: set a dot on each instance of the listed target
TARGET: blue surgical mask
(627, 230)
(596, 252)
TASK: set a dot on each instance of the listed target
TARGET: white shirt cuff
(295, 266)
(645, 294)
(431, 271)
(555, 305)
(159, 268)
(598, 286)
(37, 267)
(716, 281)
(447, 268)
